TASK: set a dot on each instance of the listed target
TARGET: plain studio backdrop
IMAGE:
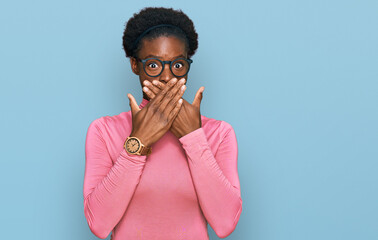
(296, 79)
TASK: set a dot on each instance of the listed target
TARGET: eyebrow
(148, 56)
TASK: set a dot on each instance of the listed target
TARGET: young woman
(161, 170)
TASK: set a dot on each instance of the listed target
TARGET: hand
(151, 122)
(189, 117)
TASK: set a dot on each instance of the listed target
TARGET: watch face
(132, 145)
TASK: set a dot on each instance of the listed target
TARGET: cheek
(143, 76)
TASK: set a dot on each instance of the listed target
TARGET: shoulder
(216, 128)
(105, 123)
(212, 123)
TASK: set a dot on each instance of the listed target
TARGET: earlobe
(134, 65)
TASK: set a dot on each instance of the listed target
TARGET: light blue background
(296, 79)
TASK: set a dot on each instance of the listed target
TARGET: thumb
(198, 97)
(133, 104)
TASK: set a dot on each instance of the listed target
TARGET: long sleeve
(108, 186)
(215, 178)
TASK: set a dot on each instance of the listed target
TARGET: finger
(172, 96)
(133, 104)
(198, 97)
(158, 84)
(160, 95)
(176, 109)
(150, 87)
(149, 93)
(171, 105)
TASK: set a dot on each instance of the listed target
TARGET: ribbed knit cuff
(132, 157)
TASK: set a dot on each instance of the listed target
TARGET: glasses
(153, 67)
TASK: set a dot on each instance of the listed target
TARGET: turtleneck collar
(143, 103)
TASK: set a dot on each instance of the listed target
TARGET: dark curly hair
(152, 16)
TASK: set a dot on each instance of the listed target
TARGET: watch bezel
(139, 145)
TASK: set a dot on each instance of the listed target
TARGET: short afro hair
(152, 16)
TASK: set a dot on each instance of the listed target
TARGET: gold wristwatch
(134, 146)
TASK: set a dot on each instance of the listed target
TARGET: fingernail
(183, 87)
(146, 82)
(154, 82)
(182, 80)
(145, 89)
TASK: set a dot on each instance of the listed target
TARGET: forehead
(165, 47)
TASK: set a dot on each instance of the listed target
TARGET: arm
(108, 188)
(215, 178)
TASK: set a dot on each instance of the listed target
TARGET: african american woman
(161, 170)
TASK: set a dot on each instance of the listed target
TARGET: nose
(166, 75)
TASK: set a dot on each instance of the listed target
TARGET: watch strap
(145, 150)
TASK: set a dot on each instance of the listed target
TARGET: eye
(152, 65)
(178, 65)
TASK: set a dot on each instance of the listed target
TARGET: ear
(134, 65)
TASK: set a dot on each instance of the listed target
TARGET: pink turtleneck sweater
(171, 194)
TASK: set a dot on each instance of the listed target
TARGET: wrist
(142, 139)
(133, 145)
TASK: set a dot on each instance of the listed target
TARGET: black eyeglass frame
(163, 64)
